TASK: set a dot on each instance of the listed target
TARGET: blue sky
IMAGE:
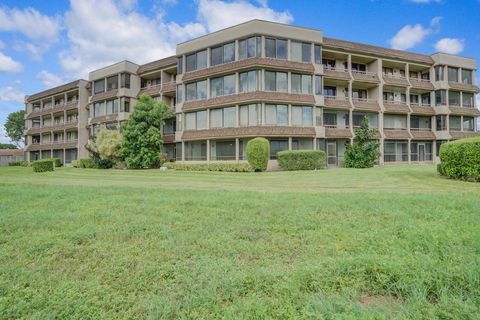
(46, 43)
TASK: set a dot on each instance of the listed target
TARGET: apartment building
(289, 84)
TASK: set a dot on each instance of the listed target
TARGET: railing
(417, 104)
(389, 128)
(338, 98)
(394, 102)
(394, 76)
(420, 129)
(335, 126)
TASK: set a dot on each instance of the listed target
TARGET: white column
(237, 149)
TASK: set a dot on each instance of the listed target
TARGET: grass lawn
(382, 243)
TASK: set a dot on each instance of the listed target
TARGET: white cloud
(29, 22)
(12, 93)
(3, 135)
(450, 45)
(410, 36)
(7, 64)
(48, 79)
(216, 14)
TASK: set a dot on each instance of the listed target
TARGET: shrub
(301, 159)
(75, 164)
(43, 165)
(461, 159)
(103, 164)
(364, 151)
(86, 163)
(26, 164)
(225, 167)
(258, 152)
(15, 164)
(57, 162)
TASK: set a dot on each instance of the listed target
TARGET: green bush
(43, 165)
(15, 164)
(86, 163)
(26, 164)
(301, 159)
(364, 151)
(460, 159)
(57, 162)
(225, 167)
(258, 153)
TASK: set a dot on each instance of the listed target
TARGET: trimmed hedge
(75, 164)
(15, 164)
(225, 167)
(301, 159)
(460, 159)
(57, 162)
(86, 163)
(258, 153)
(43, 165)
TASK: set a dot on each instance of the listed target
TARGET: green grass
(382, 243)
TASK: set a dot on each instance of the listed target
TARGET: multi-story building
(289, 84)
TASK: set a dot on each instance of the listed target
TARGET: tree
(7, 146)
(15, 126)
(108, 144)
(142, 136)
(364, 151)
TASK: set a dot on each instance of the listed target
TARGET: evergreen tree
(364, 151)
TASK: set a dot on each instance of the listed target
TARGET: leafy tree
(7, 146)
(363, 152)
(142, 135)
(108, 144)
(15, 126)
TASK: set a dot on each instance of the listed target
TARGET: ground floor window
(71, 154)
(178, 151)
(196, 151)
(58, 154)
(421, 151)
(439, 143)
(277, 146)
(302, 144)
(222, 150)
(46, 154)
(169, 149)
(395, 151)
(34, 155)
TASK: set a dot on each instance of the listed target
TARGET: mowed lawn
(382, 243)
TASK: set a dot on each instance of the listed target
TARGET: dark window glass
(318, 54)
(191, 62)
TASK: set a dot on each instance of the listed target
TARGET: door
(421, 152)
(332, 154)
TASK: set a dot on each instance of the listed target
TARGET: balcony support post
(237, 149)
(409, 151)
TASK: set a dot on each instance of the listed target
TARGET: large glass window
(454, 98)
(318, 54)
(359, 93)
(249, 48)
(300, 51)
(330, 91)
(196, 120)
(223, 54)
(112, 83)
(452, 74)
(440, 97)
(99, 86)
(276, 81)
(276, 114)
(195, 150)
(112, 106)
(395, 151)
(125, 80)
(223, 117)
(277, 146)
(276, 48)
(180, 65)
(222, 86)
(394, 122)
(468, 124)
(249, 115)
(301, 83)
(222, 150)
(197, 61)
(426, 99)
(439, 73)
(179, 93)
(197, 90)
(248, 81)
(467, 99)
(467, 76)
(441, 122)
(302, 116)
(318, 85)
(99, 109)
(455, 123)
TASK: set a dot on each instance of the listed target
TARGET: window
(318, 117)
(467, 99)
(302, 116)
(425, 75)
(439, 73)
(301, 83)
(417, 122)
(359, 67)
(222, 150)
(388, 97)
(249, 115)
(329, 63)
(277, 146)
(440, 97)
(388, 71)
(195, 150)
(358, 117)
(395, 151)
(276, 81)
(276, 114)
(318, 85)
(467, 76)
(196, 120)
(179, 94)
(112, 106)
(441, 122)
(125, 80)
(112, 83)
(197, 61)
(180, 65)
(99, 86)
(223, 117)
(330, 91)
(249, 48)
(330, 119)
(359, 94)
(300, 51)
(197, 90)
(99, 109)
(318, 54)
(414, 98)
(275, 48)
(414, 74)
(452, 74)
(394, 122)
(223, 54)
(454, 98)
(426, 98)
(468, 124)
(124, 105)
(455, 123)
(222, 86)
(248, 81)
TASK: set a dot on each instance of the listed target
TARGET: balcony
(58, 144)
(150, 90)
(422, 133)
(253, 131)
(464, 87)
(365, 104)
(423, 84)
(396, 133)
(365, 76)
(395, 80)
(424, 109)
(337, 102)
(333, 131)
(336, 73)
(464, 134)
(464, 111)
(396, 106)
